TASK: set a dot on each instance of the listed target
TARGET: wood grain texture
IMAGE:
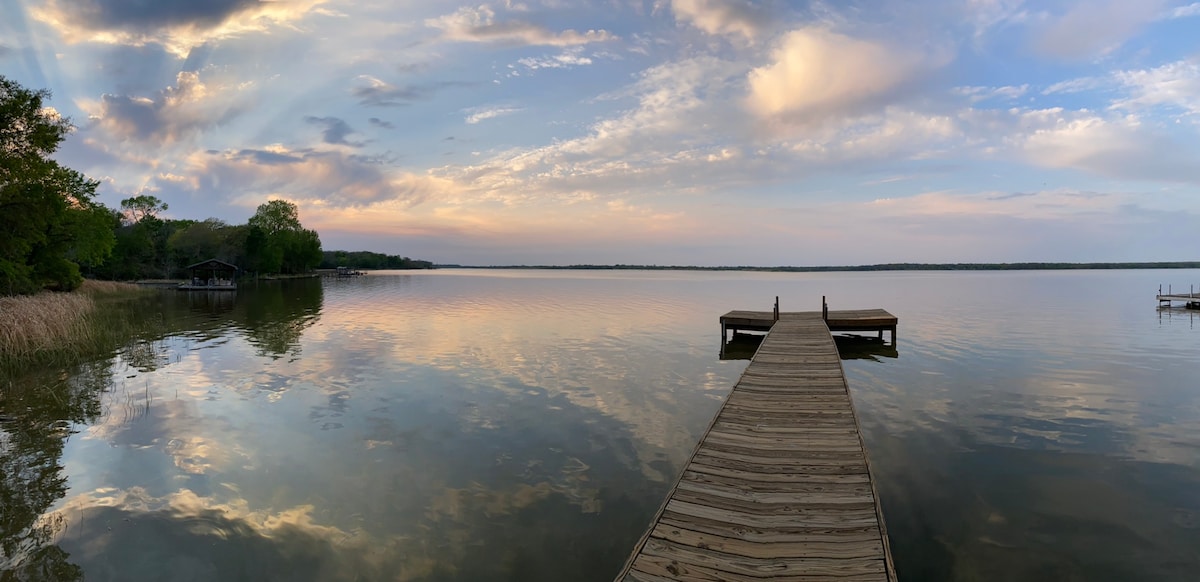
(779, 488)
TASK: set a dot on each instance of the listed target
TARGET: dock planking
(779, 488)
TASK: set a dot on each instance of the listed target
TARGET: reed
(53, 325)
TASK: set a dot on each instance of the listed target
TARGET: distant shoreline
(879, 267)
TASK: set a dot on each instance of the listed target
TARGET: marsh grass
(53, 327)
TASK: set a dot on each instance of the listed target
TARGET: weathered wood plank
(779, 487)
(813, 548)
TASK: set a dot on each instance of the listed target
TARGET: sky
(668, 132)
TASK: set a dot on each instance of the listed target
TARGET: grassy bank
(53, 326)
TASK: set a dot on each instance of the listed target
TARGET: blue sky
(699, 132)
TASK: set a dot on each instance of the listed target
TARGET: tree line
(148, 247)
(370, 260)
(53, 231)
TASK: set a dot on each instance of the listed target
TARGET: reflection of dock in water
(780, 486)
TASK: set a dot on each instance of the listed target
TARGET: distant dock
(1190, 300)
(779, 487)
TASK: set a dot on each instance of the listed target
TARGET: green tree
(138, 207)
(276, 216)
(278, 243)
(48, 215)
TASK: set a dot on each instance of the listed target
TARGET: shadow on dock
(741, 346)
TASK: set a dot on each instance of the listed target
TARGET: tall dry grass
(92, 287)
(50, 321)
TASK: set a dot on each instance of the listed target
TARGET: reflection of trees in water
(39, 412)
(277, 313)
(271, 315)
(39, 407)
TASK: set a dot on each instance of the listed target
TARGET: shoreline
(51, 325)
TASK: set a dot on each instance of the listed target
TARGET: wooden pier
(779, 488)
(1190, 300)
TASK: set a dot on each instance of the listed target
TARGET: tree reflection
(40, 407)
(39, 412)
(277, 313)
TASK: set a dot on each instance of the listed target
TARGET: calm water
(516, 425)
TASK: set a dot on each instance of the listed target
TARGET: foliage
(138, 207)
(51, 223)
(370, 260)
(281, 243)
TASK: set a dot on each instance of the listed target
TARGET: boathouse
(211, 275)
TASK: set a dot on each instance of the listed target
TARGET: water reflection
(35, 426)
(453, 426)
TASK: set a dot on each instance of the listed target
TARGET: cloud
(171, 115)
(1092, 29)
(1121, 147)
(987, 15)
(481, 114)
(723, 17)
(977, 94)
(1078, 85)
(479, 24)
(335, 130)
(377, 122)
(1174, 84)
(318, 178)
(177, 25)
(567, 59)
(1186, 11)
(817, 74)
(147, 16)
(379, 93)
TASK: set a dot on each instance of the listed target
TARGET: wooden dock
(1190, 300)
(779, 488)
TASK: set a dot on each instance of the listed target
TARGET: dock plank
(779, 488)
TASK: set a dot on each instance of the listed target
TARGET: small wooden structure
(1191, 299)
(852, 320)
(211, 275)
(779, 487)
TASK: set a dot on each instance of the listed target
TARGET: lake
(465, 425)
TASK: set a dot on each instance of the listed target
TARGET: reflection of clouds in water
(132, 535)
(591, 346)
(196, 443)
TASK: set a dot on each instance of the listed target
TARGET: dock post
(824, 310)
(776, 308)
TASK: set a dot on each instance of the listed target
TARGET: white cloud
(977, 94)
(1174, 84)
(477, 115)
(1120, 147)
(568, 59)
(1078, 85)
(1185, 11)
(479, 24)
(728, 17)
(817, 74)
